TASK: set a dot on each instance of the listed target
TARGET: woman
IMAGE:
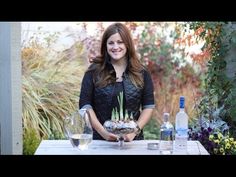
(117, 69)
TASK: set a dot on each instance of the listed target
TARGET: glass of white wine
(78, 129)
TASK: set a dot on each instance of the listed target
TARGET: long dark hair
(103, 75)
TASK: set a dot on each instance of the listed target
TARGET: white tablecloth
(100, 147)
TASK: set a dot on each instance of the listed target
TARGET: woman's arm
(148, 104)
(144, 117)
(86, 101)
(99, 128)
(142, 121)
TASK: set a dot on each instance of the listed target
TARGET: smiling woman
(117, 70)
(117, 50)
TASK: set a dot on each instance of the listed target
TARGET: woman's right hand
(109, 136)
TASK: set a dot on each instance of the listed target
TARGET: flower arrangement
(223, 145)
(214, 136)
(120, 123)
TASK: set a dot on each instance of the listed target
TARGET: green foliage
(156, 46)
(233, 39)
(232, 102)
(50, 85)
(171, 73)
(56, 135)
(30, 142)
(214, 135)
(230, 111)
(219, 89)
(151, 130)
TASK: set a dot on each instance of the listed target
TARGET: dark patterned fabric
(101, 98)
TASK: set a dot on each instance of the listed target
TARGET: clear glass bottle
(166, 135)
(181, 128)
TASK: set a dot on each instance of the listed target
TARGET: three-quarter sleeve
(148, 92)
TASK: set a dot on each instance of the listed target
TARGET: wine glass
(120, 128)
(78, 129)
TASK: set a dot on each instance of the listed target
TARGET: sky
(65, 28)
(69, 33)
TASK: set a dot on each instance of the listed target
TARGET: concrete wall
(10, 88)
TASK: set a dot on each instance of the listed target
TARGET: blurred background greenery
(179, 56)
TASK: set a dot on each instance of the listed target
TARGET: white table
(100, 147)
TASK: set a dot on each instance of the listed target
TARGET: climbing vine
(220, 90)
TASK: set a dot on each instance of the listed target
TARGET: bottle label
(181, 143)
(167, 135)
(182, 132)
(166, 142)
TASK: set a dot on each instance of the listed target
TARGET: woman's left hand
(129, 137)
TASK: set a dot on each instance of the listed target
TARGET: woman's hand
(109, 136)
(129, 137)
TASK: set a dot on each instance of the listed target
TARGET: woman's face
(116, 47)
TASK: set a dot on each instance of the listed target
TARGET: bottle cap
(166, 116)
(181, 101)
